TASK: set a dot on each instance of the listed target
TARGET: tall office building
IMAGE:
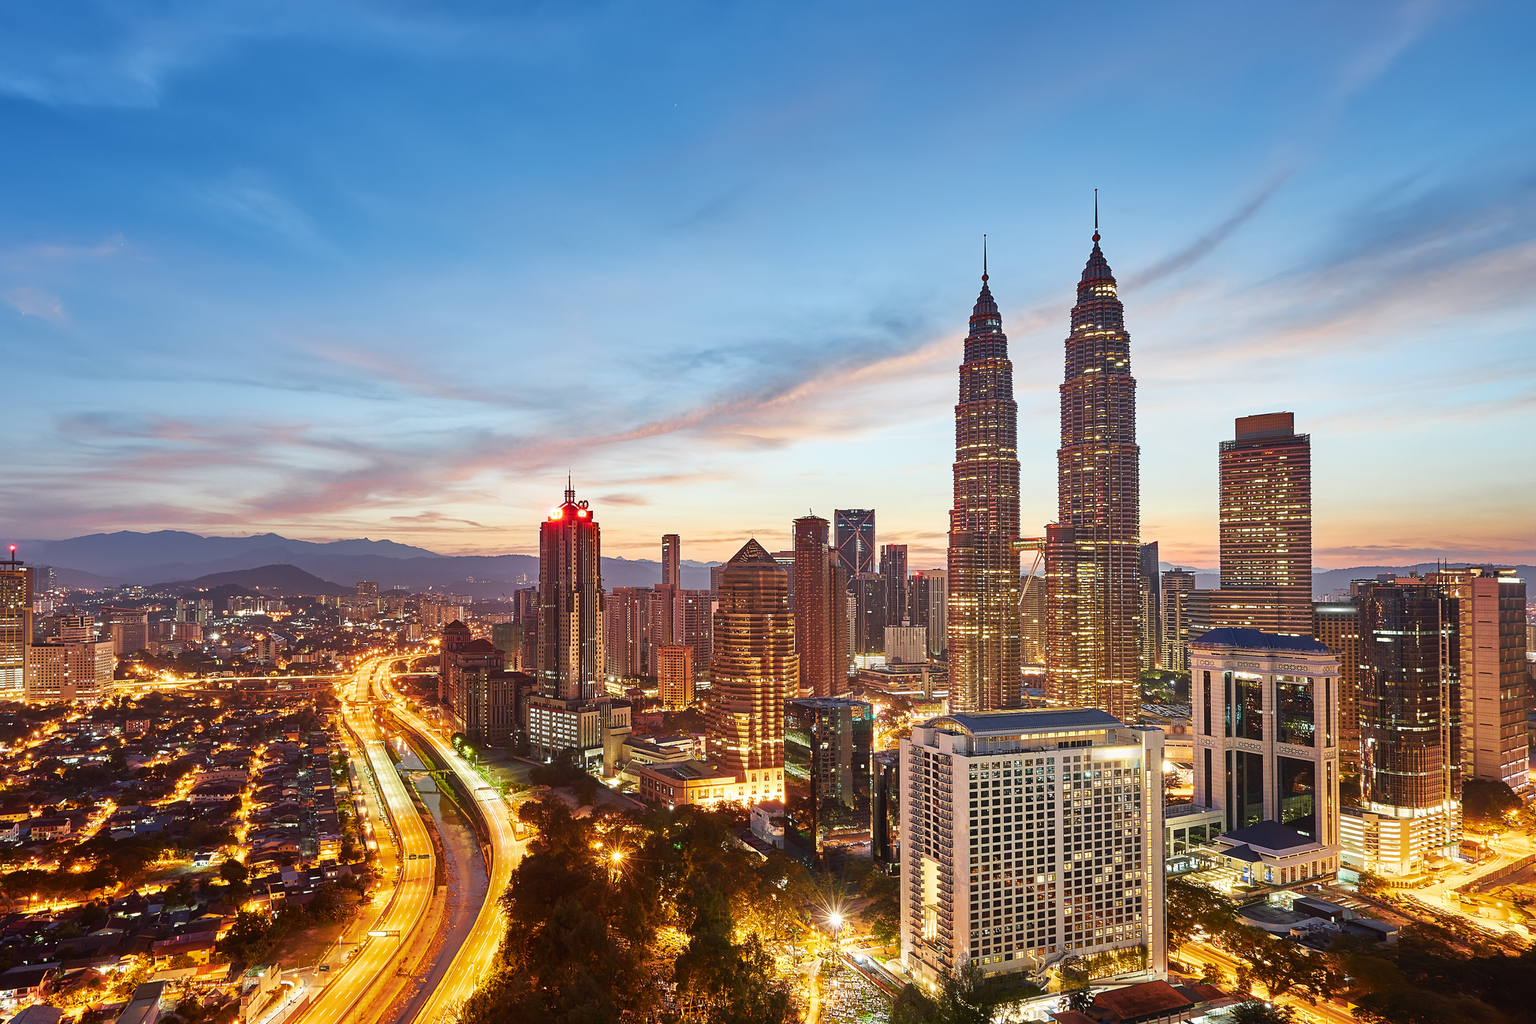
(128, 629)
(627, 632)
(820, 621)
(671, 560)
(868, 591)
(930, 595)
(855, 539)
(827, 771)
(755, 671)
(1491, 631)
(698, 628)
(15, 625)
(1093, 551)
(1266, 527)
(893, 566)
(674, 677)
(74, 667)
(570, 637)
(1151, 608)
(1410, 777)
(1176, 583)
(1266, 725)
(1337, 624)
(1028, 837)
(1032, 620)
(984, 522)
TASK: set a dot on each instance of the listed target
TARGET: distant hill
(108, 559)
(283, 580)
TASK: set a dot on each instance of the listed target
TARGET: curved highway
(355, 987)
(479, 948)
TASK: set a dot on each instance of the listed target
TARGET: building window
(1293, 702)
(1205, 691)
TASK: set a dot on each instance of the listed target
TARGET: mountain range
(102, 560)
(110, 559)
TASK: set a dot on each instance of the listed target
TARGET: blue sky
(389, 269)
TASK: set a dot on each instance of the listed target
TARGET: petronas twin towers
(1092, 559)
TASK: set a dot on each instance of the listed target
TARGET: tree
(233, 870)
(1194, 906)
(1256, 1012)
(1489, 802)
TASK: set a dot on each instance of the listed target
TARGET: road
(372, 971)
(1202, 954)
(479, 948)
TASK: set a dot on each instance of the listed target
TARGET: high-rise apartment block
(15, 625)
(1093, 551)
(1029, 837)
(827, 743)
(671, 560)
(755, 671)
(1266, 527)
(1176, 583)
(984, 522)
(820, 617)
(674, 676)
(855, 539)
(1491, 633)
(571, 664)
(1266, 724)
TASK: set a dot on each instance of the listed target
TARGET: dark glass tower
(984, 522)
(1093, 551)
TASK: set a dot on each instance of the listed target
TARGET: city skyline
(229, 334)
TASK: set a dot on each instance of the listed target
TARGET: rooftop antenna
(984, 256)
(1095, 215)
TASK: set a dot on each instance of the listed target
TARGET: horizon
(395, 272)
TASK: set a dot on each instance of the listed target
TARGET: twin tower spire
(1091, 649)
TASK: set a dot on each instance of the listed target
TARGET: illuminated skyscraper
(855, 539)
(15, 625)
(893, 566)
(820, 616)
(1151, 608)
(1093, 551)
(570, 639)
(1410, 777)
(984, 522)
(671, 560)
(1266, 527)
(755, 671)
(1491, 613)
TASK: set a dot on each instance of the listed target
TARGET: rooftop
(1012, 723)
(1270, 836)
(1258, 640)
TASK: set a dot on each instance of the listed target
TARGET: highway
(479, 948)
(373, 970)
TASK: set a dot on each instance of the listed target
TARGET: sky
(393, 269)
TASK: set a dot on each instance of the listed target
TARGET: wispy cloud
(30, 301)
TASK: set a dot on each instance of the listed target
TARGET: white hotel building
(1030, 836)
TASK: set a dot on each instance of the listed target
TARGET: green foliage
(1193, 905)
(564, 772)
(1256, 1012)
(966, 998)
(594, 938)
(883, 913)
(233, 871)
(1489, 802)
